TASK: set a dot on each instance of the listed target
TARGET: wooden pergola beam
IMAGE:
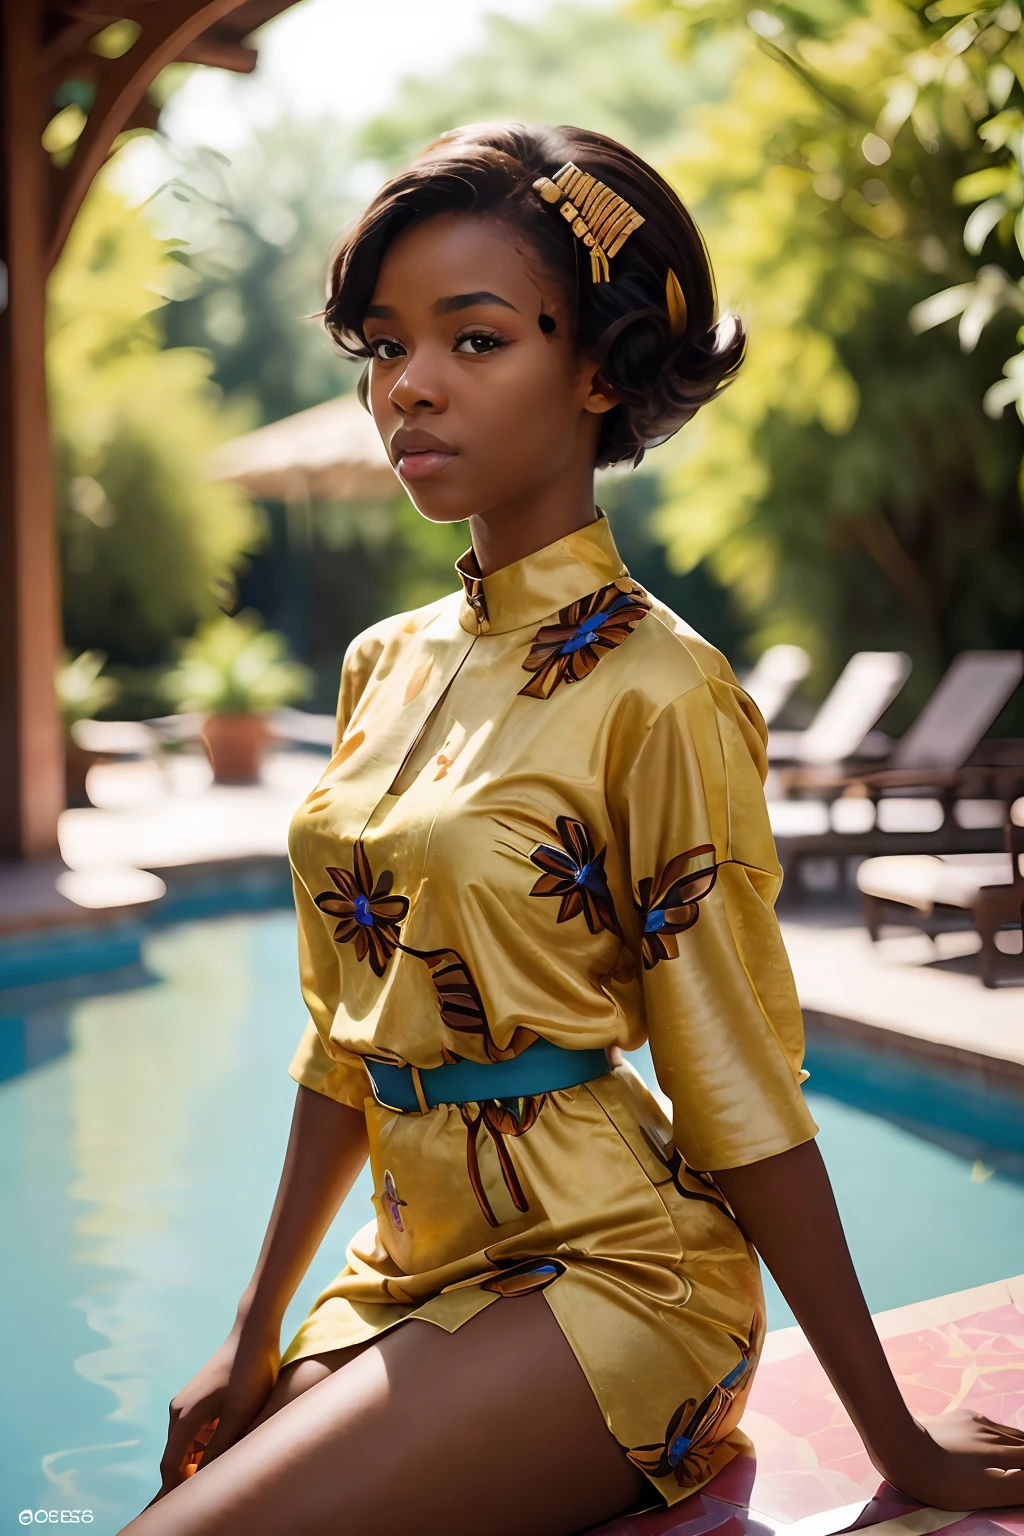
(220, 53)
(168, 27)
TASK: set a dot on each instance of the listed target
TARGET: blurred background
(853, 493)
(845, 523)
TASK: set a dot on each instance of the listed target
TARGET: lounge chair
(969, 698)
(945, 790)
(948, 730)
(936, 893)
(774, 675)
(863, 692)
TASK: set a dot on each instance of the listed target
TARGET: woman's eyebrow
(468, 300)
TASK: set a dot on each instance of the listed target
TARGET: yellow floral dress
(544, 818)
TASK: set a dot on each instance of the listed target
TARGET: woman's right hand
(217, 1406)
(327, 1147)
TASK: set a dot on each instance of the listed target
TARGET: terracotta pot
(235, 744)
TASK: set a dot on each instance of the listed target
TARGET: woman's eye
(385, 350)
(478, 343)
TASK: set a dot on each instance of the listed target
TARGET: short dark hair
(489, 170)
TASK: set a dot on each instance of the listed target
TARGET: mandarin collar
(540, 584)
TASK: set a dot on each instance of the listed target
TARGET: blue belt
(541, 1068)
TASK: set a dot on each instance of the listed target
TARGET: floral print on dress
(695, 1429)
(369, 917)
(524, 1278)
(575, 873)
(500, 1118)
(461, 1006)
(669, 904)
(569, 650)
(684, 1177)
(392, 1204)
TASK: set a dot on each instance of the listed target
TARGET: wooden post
(39, 41)
(31, 747)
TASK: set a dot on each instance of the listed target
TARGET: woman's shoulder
(676, 671)
(677, 658)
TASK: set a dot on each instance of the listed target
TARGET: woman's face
(477, 405)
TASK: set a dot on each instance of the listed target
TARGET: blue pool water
(141, 1136)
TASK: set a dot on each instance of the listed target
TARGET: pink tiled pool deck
(810, 1475)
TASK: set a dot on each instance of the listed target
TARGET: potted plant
(81, 693)
(235, 672)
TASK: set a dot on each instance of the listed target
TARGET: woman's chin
(437, 504)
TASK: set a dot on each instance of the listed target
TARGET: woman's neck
(510, 532)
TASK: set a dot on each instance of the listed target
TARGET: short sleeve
(318, 1062)
(723, 1020)
(311, 1066)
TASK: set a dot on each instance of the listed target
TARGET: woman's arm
(786, 1208)
(326, 1149)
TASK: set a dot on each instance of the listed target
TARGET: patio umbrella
(329, 453)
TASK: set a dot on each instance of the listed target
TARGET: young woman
(542, 838)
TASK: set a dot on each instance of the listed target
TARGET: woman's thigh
(300, 1376)
(492, 1427)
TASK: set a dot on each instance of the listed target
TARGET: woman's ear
(600, 397)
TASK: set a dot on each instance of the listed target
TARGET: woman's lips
(421, 463)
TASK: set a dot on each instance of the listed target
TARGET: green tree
(257, 230)
(849, 488)
(600, 69)
(975, 60)
(149, 545)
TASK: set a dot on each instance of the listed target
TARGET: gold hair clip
(675, 300)
(598, 216)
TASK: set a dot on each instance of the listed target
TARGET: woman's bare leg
(301, 1375)
(492, 1427)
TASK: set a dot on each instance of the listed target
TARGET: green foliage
(411, 559)
(147, 541)
(235, 667)
(258, 230)
(980, 55)
(82, 692)
(849, 488)
(598, 69)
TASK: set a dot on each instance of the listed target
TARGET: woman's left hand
(786, 1208)
(961, 1461)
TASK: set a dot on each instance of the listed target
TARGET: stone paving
(907, 984)
(148, 817)
(807, 1472)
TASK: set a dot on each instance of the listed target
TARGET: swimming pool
(141, 1136)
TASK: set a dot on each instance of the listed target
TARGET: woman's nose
(418, 388)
